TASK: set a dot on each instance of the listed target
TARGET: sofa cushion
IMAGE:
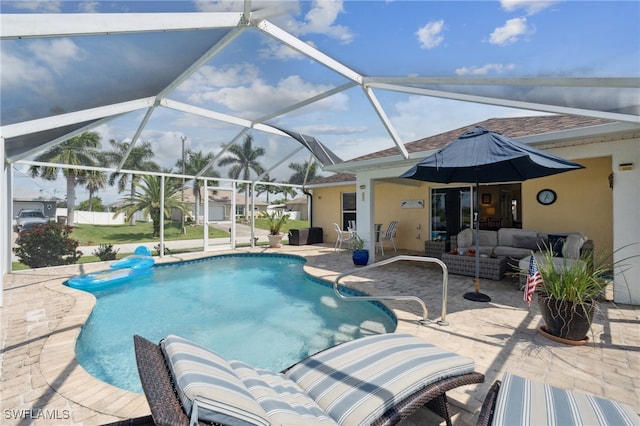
(527, 241)
(522, 401)
(506, 236)
(488, 238)
(465, 238)
(573, 244)
(515, 252)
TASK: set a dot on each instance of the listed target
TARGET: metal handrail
(425, 320)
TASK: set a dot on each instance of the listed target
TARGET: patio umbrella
(483, 156)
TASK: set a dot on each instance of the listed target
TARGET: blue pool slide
(138, 264)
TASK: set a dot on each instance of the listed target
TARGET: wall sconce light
(363, 186)
(625, 166)
(611, 180)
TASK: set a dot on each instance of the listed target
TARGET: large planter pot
(566, 320)
(275, 241)
(360, 257)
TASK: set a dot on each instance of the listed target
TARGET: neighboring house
(298, 207)
(602, 200)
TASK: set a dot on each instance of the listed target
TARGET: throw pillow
(526, 241)
(572, 245)
(556, 242)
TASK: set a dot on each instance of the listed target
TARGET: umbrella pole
(477, 296)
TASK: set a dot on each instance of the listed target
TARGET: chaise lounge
(374, 380)
(519, 401)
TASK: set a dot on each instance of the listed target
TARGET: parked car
(26, 219)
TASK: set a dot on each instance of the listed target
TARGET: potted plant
(276, 220)
(568, 293)
(360, 255)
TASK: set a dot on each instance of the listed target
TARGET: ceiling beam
(507, 102)
(385, 121)
(17, 26)
(61, 120)
(308, 50)
(603, 82)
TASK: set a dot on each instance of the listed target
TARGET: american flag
(534, 279)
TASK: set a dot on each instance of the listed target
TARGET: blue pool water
(261, 309)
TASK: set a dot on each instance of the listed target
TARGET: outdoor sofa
(374, 380)
(518, 244)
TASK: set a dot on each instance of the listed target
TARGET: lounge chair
(374, 380)
(519, 401)
(388, 236)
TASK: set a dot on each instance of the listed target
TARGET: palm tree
(244, 159)
(80, 150)
(269, 189)
(95, 180)
(147, 196)
(194, 163)
(302, 175)
(286, 191)
(138, 159)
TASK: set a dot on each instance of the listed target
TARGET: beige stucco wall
(585, 203)
(327, 209)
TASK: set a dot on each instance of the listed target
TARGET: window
(348, 208)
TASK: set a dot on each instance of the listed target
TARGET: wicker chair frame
(166, 408)
(488, 406)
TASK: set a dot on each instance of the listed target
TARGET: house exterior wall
(588, 210)
(586, 203)
(327, 209)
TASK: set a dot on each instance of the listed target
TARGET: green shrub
(105, 252)
(47, 245)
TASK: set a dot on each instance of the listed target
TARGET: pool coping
(60, 369)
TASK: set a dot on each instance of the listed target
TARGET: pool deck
(42, 384)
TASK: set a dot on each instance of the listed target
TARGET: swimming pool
(259, 308)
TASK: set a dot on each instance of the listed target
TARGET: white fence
(94, 218)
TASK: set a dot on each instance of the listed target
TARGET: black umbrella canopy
(483, 156)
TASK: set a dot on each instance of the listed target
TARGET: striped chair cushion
(204, 376)
(524, 402)
(358, 381)
(283, 400)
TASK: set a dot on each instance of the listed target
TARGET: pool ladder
(424, 320)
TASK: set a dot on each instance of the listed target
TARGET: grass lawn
(93, 235)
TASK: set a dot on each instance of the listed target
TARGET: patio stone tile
(41, 320)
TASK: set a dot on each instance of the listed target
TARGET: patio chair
(388, 236)
(516, 400)
(374, 380)
(342, 237)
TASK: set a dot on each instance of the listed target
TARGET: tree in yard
(243, 160)
(140, 158)
(147, 196)
(194, 163)
(95, 180)
(303, 173)
(269, 189)
(80, 150)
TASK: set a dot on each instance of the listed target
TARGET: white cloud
(485, 69)
(530, 6)
(259, 98)
(511, 32)
(47, 6)
(430, 35)
(321, 20)
(209, 78)
(88, 6)
(56, 53)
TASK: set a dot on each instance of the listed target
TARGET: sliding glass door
(451, 210)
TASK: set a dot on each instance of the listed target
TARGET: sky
(255, 75)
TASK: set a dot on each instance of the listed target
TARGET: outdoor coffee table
(492, 268)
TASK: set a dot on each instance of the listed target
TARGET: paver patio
(42, 383)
